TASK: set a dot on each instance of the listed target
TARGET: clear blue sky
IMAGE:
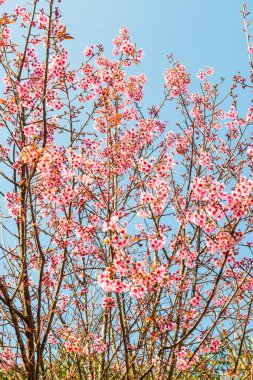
(198, 32)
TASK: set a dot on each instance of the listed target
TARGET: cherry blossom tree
(126, 249)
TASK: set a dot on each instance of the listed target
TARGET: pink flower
(7, 358)
(177, 80)
(157, 243)
(200, 75)
(209, 70)
(215, 344)
(137, 291)
(112, 224)
(108, 303)
(205, 159)
(250, 151)
(195, 301)
(128, 48)
(88, 51)
(13, 204)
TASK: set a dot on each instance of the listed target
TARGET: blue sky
(199, 33)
